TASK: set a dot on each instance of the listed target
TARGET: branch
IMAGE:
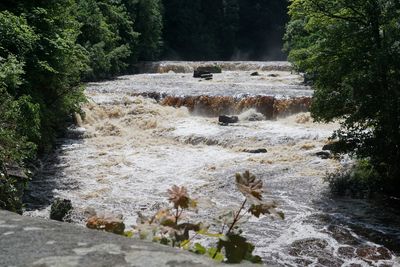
(325, 12)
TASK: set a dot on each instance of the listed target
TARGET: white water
(134, 150)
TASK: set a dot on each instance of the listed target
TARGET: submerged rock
(256, 151)
(228, 119)
(374, 253)
(308, 247)
(314, 249)
(60, 209)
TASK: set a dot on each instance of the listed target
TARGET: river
(143, 133)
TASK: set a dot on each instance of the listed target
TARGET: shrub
(360, 181)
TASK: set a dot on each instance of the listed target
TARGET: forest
(48, 48)
(348, 51)
(306, 101)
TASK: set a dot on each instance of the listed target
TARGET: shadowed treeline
(224, 29)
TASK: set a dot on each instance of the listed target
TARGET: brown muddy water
(144, 133)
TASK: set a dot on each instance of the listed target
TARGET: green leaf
(199, 249)
(206, 233)
(128, 234)
(185, 244)
(219, 257)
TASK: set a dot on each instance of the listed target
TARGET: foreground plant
(170, 226)
(235, 245)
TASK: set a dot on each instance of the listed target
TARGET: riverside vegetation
(171, 226)
(47, 48)
(350, 53)
(348, 50)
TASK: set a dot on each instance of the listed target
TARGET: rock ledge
(26, 241)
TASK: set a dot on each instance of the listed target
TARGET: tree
(261, 29)
(149, 24)
(351, 50)
(221, 29)
(108, 37)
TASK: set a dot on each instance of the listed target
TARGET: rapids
(143, 133)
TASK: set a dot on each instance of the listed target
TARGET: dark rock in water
(206, 70)
(334, 146)
(328, 146)
(314, 248)
(274, 75)
(346, 252)
(196, 140)
(329, 261)
(60, 209)
(210, 69)
(324, 154)
(198, 74)
(255, 74)
(343, 235)
(309, 247)
(374, 253)
(256, 151)
(228, 119)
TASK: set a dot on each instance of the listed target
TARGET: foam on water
(238, 84)
(133, 149)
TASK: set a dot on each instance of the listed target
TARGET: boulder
(324, 154)
(334, 146)
(255, 74)
(210, 69)
(198, 74)
(108, 223)
(256, 151)
(60, 209)
(228, 119)
(206, 70)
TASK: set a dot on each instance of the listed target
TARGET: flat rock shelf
(27, 241)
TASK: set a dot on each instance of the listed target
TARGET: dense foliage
(351, 51)
(40, 66)
(224, 29)
(46, 49)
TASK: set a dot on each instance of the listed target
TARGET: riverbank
(27, 241)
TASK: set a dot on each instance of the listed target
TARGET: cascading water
(129, 149)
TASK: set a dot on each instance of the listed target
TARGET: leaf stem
(235, 220)
(177, 215)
